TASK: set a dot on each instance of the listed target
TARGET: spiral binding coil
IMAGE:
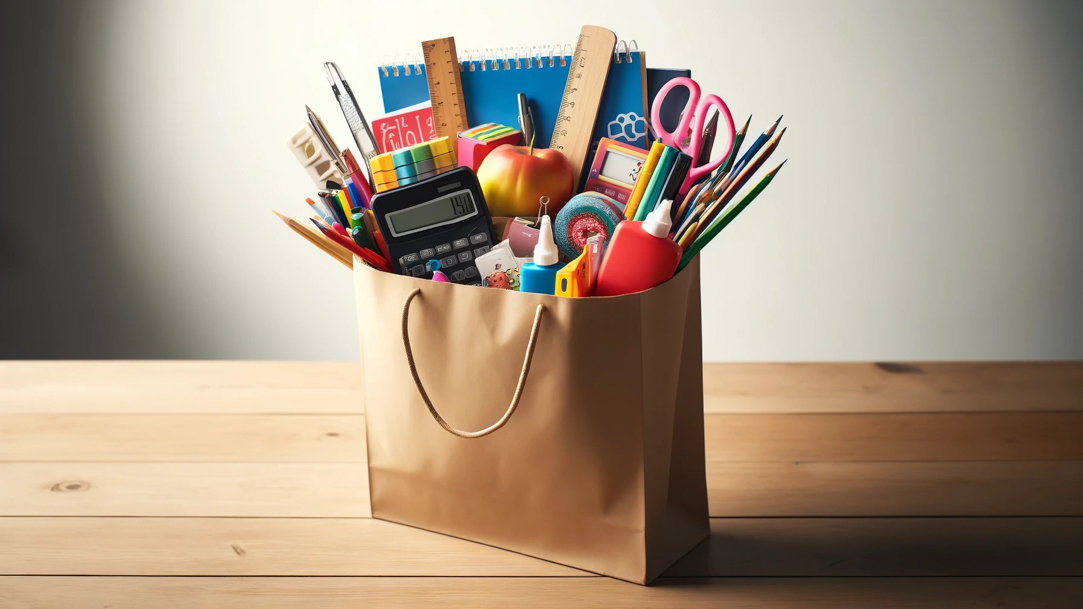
(503, 58)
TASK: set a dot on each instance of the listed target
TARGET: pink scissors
(694, 115)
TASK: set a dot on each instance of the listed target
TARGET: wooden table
(230, 484)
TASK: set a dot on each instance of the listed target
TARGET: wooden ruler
(445, 88)
(583, 94)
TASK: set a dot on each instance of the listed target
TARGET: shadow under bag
(570, 429)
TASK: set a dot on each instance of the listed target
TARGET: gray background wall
(931, 208)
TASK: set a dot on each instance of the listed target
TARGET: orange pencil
(330, 248)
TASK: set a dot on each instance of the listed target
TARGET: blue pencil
(755, 147)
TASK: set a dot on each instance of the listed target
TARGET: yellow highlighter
(643, 179)
(573, 281)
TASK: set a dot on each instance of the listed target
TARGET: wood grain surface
(234, 484)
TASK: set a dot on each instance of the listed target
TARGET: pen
(526, 119)
(356, 199)
(358, 178)
(325, 139)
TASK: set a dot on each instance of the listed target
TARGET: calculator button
(481, 251)
(448, 262)
(471, 271)
(443, 248)
(408, 258)
(478, 238)
(426, 253)
(419, 270)
(460, 243)
(465, 256)
(458, 276)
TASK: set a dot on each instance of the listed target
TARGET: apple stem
(532, 136)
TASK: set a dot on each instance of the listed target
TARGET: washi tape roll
(586, 214)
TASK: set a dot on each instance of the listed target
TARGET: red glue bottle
(640, 256)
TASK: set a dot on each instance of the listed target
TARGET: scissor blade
(703, 155)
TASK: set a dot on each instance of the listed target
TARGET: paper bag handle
(531, 343)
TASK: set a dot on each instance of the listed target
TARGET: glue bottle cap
(657, 222)
(545, 252)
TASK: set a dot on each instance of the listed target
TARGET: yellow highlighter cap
(441, 145)
(382, 162)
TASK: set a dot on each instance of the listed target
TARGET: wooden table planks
(234, 484)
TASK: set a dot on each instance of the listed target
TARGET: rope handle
(531, 343)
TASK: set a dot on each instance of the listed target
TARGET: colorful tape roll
(586, 214)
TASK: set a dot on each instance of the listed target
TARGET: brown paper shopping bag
(567, 429)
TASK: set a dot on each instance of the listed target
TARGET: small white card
(495, 264)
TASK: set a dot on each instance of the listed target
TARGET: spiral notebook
(491, 84)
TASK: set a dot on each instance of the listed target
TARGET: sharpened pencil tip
(779, 166)
(777, 120)
(307, 109)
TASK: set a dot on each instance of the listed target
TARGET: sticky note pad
(476, 144)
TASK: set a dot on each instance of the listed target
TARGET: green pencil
(712, 231)
(738, 139)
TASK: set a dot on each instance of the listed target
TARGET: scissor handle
(673, 138)
(697, 130)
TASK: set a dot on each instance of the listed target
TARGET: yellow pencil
(641, 181)
(688, 234)
(329, 247)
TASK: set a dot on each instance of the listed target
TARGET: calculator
(440, 218)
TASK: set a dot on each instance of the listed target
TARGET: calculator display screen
(447, 209)
(620, 167)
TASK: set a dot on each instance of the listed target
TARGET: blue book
(490, 88)
(670, 114)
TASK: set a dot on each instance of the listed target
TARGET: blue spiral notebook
(490, 87)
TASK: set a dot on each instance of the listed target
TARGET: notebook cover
(491, 95)
(675, 102)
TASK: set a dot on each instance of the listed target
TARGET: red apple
(513, 178)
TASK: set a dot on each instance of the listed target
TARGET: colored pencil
(755, 147)
(712, 231)
(687, 222)
(690, 196)
(731, 189)
(735, 149)
(368, 257)
(687, 238)
(330, 248)
(320, 210)
(330, 199)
